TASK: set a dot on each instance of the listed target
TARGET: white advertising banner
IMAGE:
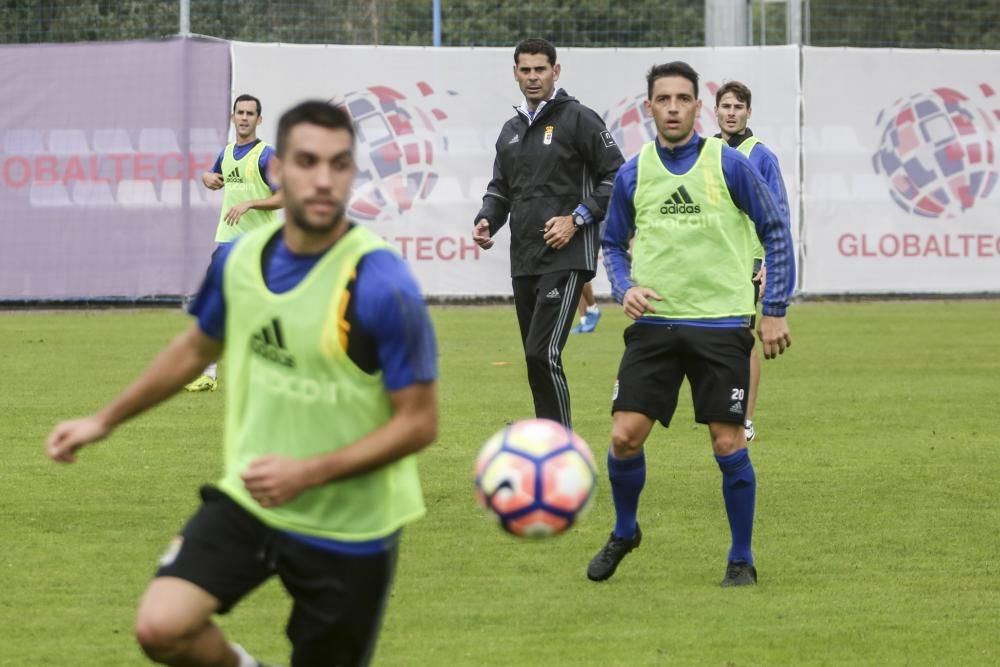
(900, 169)
(428, 119)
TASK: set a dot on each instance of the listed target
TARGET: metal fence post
(184, 26)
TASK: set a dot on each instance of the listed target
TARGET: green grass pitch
(877, 535)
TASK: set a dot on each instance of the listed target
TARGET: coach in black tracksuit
(555, 165)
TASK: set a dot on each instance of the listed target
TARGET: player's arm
(391, 310)
(180, 362)
(615, 244)
(274, 202)
(751, 194)
(767, 164)
(213, 179)
(275, 480)
(619, 228)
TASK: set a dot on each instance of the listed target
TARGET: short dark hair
(313, 112)
(676, 68)
(246, 98)
(739, 91)
(534, 45)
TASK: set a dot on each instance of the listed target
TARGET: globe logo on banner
(632, 127)
(397, 144)
(937, 151)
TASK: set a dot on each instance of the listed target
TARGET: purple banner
(102, 147)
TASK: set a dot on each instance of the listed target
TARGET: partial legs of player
(207, 381)
(174, 627)
(759, 281)
(590, 313)
(748, 428)
(627, 473)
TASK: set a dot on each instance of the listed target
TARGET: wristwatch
(579, 220)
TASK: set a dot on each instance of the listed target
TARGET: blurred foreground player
(333, 366)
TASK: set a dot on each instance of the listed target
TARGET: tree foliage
(966, 24)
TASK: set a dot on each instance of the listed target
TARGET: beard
(297, 215)
(676, 134)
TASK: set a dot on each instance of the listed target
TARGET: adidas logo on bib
(679, 203)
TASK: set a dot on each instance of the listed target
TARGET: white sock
(212, 372)
(593, 310)
(246, 660)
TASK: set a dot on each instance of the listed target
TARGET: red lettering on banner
(403, 241)
(894, 245)
(966, 241)
(95, 171)
(18, 171)
(143, 167)
(25, 169)
(916, 245)
(984, 246)
(46, 169)
(119, 161)
(430, 248)
(932, 246)
(466, 246)
(947, 247)
(865, 251)
(852, 249)
(74, 170)
(200, 163)
(424, 248)
(442, 254)
(176, 172)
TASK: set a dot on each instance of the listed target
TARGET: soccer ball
(537, 476)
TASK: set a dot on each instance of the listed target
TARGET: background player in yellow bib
(684, 200)
(733, 111)
(250, 201)
(333, 364)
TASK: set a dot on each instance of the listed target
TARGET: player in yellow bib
(684, 201)
(732, 110)
(333, 364)
(250, 200)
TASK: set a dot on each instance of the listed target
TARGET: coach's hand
(68, 437)
(636, 302)
(275, 480)
(481, 234)
(559, 231)
(774, 334)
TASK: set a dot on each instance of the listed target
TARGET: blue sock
(739, 490)
(627, 476)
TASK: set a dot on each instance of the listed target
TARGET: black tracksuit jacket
(564, 157)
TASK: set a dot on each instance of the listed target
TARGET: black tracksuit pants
(546, 306)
